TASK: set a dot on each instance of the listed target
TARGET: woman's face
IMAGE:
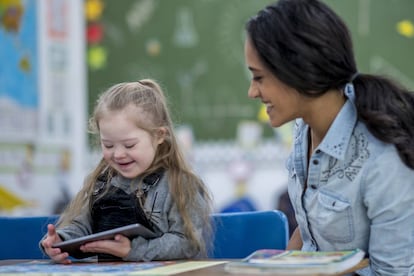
(283, 103)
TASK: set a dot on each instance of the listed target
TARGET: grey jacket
(172, 243)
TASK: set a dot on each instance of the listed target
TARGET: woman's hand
(54, 253)
(119, 246)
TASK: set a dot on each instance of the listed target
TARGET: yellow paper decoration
(9, 201)
(262, 115)
(93, 9)
(97, 56)
(405, 28)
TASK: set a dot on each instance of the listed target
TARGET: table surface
(217, 269)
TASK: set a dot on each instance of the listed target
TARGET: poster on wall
(19, 95)
(39, 138)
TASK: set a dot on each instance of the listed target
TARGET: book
(72, 246)
(296, 262)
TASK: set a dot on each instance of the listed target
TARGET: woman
(351, 169)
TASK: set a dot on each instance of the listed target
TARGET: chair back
(239, 234)
(20, 236)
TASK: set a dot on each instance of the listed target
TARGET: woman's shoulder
(365, 140)
(380, 158)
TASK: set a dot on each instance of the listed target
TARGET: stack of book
(295, 262)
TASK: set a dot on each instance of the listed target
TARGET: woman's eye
(257, 78)
(108, 146)
(129, 146)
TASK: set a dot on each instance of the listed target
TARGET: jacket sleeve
(172, 244)
(80, 226)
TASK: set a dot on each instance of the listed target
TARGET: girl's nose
(119, 152)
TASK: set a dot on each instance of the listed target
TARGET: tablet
(72, 246)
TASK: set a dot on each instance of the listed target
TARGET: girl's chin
(128, 175)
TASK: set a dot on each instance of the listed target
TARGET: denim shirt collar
(339, 134)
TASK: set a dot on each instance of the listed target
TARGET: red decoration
(94, 33)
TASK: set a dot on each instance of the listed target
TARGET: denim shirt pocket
(335, 219)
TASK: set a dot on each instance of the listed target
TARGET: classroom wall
(61, 54)
(195, 49)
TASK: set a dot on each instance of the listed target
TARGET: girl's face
(283, 103)
(127, 148)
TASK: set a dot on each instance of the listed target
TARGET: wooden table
(218, 270)
(214, 270)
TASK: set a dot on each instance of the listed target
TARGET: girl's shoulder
(155, 177)
(100, 182)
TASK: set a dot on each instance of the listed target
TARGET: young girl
(142, 178)
(351, 169)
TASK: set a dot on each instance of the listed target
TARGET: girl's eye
(108, 146)
(129, 146)
(257, 78)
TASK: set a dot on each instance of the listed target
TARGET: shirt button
(315, 162)
(318, 151)
(313, 186)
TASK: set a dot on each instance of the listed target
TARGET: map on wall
(18, 70)
(19, 100)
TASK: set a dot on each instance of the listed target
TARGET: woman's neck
(322, 113)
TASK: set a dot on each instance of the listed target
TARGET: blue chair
(239, 234)
(20, 236)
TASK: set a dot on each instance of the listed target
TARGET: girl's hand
(119, 246)
(54, 253)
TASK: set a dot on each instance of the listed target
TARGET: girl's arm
(172, 244)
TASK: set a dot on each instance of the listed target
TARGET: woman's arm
(295, 242)
(389, 197)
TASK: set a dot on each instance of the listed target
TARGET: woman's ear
(160, 135)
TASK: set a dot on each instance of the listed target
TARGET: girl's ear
(160, 135)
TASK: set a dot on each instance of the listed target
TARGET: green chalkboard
(194, 48)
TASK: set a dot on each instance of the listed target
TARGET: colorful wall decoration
(42, 91)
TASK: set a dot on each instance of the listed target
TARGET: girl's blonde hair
(152, 115)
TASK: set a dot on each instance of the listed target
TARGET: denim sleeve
(389, 198)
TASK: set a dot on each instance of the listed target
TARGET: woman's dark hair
(309, 47)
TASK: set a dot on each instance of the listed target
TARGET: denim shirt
(359, 194)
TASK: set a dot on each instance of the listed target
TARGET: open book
(295, 262)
